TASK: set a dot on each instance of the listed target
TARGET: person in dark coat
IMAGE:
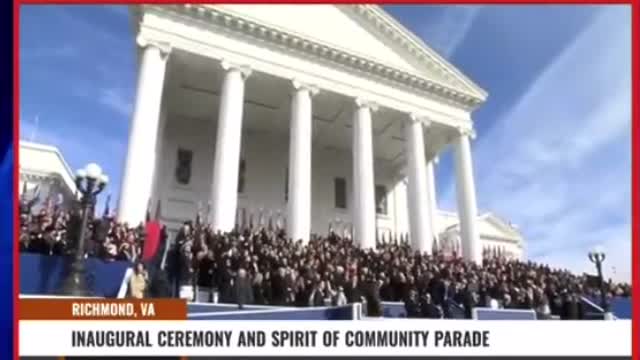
(412, 305)
(428, 309)
(470, 301)
(438, 291)
(386, 290)
(353, 291)
(372, 295)
(224, 282)
(160, 286)
(572, 308)
(243, 291)
(258, 290)
(279, 287)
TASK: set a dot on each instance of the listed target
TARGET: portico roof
(361, 38)
(364, 30)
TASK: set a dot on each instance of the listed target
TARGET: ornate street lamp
(597, 257)
(90, 181)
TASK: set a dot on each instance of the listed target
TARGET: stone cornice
(417, 48)
(244, 70)
(421, 119)
(364, 103)
(298, 85)
(343, 58)
(40, 177)
(164, 48)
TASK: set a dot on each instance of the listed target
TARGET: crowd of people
(54, 230)
(333, 270)
(261, 265)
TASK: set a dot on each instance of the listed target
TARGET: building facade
(45, 174)
(315, 116)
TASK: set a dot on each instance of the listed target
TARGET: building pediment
(41, 162)
(363, 38)
(490, 226)
(494, 227)
(424, 59)
(363, 30)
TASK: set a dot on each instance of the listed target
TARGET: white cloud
(116, 100)
(558, 162)
(449, 29)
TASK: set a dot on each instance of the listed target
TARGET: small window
(183, 166)
(381, 199)
(241, 174)
(340, 191)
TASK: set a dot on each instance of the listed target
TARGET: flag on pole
(158, 211)
(152, 240)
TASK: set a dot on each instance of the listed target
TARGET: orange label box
(102, 309)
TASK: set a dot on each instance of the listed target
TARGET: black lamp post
(597, 257)
(90, 181)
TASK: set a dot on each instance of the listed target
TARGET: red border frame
(635, 178)
(16, 171)
(635, 124)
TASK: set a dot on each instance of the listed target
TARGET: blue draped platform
(43, 275)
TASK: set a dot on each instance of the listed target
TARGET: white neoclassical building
(318, 115)
(44, 172)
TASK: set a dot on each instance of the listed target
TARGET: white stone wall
(266, 157)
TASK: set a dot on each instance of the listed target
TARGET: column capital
(363, 103)
(413, 117)
(245, 70)
(466, 131)
(163, 46)
(301, 85)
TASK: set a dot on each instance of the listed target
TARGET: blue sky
(553, 148)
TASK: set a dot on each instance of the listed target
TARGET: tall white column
(158, 177)
(466, 194)
(224, 190)
(364, 209)
(419, 214)
(137, 178)
(432, 196)
(299, 203)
